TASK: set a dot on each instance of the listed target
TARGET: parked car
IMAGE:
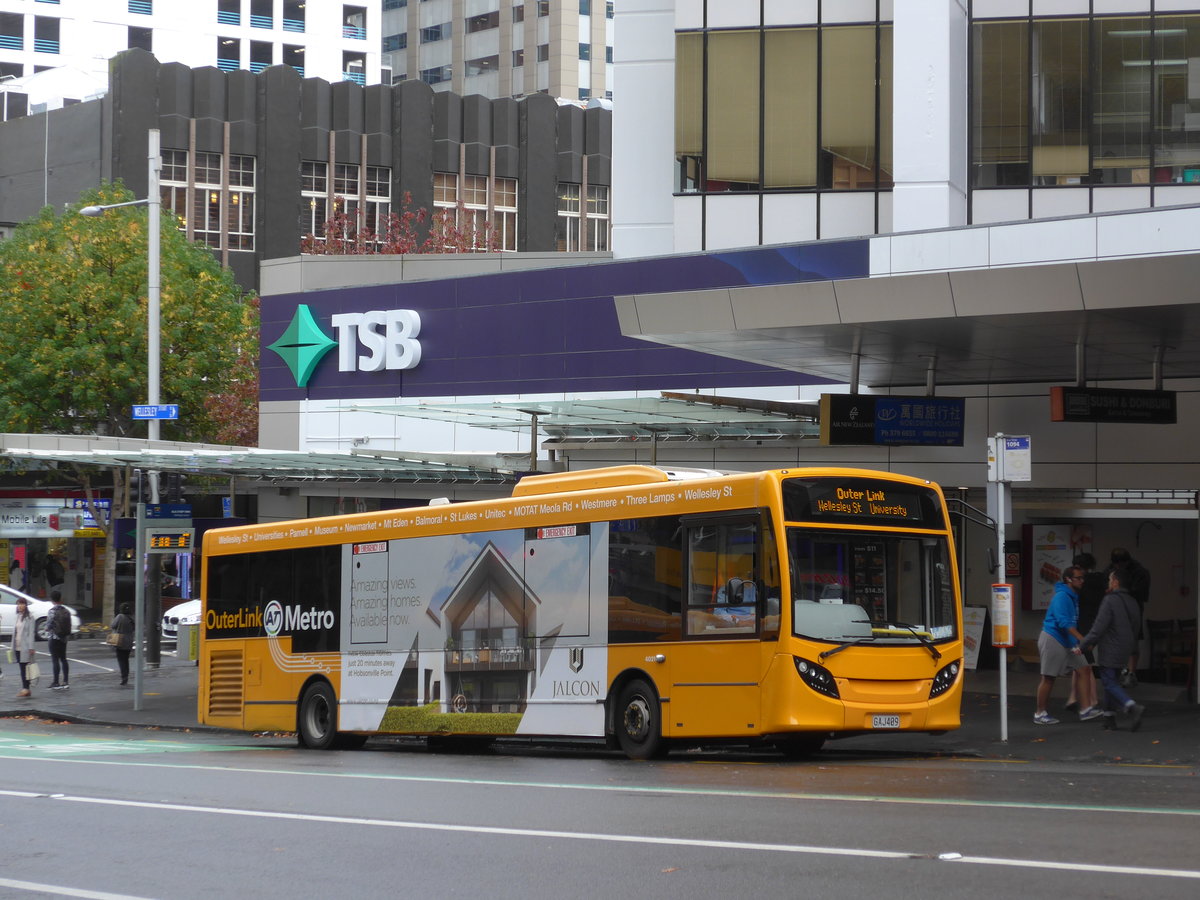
(39, 609)
(185, 613)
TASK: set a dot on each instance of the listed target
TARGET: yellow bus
(634, 605)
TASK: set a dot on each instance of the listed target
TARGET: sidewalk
(1169, 736)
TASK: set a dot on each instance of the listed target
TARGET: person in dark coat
(1139, 587)
(1113, 634)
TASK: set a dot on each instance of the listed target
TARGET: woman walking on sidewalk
(122, 626)
(24, 634)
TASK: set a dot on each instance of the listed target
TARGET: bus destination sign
(860, 501)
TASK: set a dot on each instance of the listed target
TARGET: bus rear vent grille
(225, 684)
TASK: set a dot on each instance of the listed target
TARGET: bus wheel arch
(317, 719)
(635, 716)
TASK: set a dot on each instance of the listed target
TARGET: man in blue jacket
(1058, 649)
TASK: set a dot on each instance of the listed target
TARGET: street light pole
(147, 649)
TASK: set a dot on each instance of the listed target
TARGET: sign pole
(1000, 529)
(139, 609)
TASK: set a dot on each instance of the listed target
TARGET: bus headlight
(816, 677)
(944, 679)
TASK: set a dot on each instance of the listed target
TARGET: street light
(153, 203)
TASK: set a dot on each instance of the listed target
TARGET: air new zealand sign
(388, 337)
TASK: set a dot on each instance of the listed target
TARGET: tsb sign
(389, 336)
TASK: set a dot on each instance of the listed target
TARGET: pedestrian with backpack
(58, 629)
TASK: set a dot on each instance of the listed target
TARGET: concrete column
(930, 122)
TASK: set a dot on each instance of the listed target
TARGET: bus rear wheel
(639, 722)
(317, 719)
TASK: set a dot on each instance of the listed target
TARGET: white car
(185, 613)
(39, 609)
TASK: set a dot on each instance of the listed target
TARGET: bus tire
(638, 721)
(316, 721)
(801, 746)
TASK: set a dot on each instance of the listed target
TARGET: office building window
(585, 7)
(45, 34)
(229, 54)
(437, 74)
(518, 13)
(314, 191)
(394, 4)
(12, 31)
(585, 93)
(432, 33)
(483, 65)
(261, 14)
(735, 132)
(395, 42)
(293, 15)
(483, 22)
(141, 38)
(468, 205)
(213, 208)
(585, 51)
(260, 55)
(543, 8)
(354, 67)
(608, 54)
(293, 55)
(1105, 100)
(543, 52)
(354, 23)
(229, 12)
(589, 231)
(608, 9)
(518, 57)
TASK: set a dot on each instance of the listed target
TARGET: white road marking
(855, 852)
(64, 891)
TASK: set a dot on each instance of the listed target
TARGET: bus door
(716, 668)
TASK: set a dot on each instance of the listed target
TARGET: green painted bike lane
(46, 746)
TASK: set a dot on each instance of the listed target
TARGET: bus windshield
(873, 588)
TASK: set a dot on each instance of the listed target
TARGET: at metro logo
(389, 336)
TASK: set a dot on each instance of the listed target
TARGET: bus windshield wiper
(825, 654)
(920, 637)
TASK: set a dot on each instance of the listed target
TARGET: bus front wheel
(317, 721)
(639, 722)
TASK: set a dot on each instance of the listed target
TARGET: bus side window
(723, 578)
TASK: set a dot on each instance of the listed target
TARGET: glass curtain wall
(1098, 101)
(783, 109)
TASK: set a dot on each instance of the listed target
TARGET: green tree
(73, 340)
(73, 320)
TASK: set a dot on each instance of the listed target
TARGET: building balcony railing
(259, 66)
(354, 33)
(229, 18)
(356, 77)
(141, 7)
(11, 42)
(42, 45)
(299, 69)
(262, 22)
(228, 65)
(293, 25)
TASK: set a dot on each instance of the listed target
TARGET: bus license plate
(885, 721)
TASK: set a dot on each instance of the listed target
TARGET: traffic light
(173, 487)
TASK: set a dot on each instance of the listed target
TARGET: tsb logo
(389, 335)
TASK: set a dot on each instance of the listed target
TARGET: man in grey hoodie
(1114, 634)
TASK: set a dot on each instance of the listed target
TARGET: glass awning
(670, 416)
(284, 466)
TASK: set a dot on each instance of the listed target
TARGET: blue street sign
(161, 411)
(168, 510)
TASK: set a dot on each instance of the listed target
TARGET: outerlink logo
(390, 336)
